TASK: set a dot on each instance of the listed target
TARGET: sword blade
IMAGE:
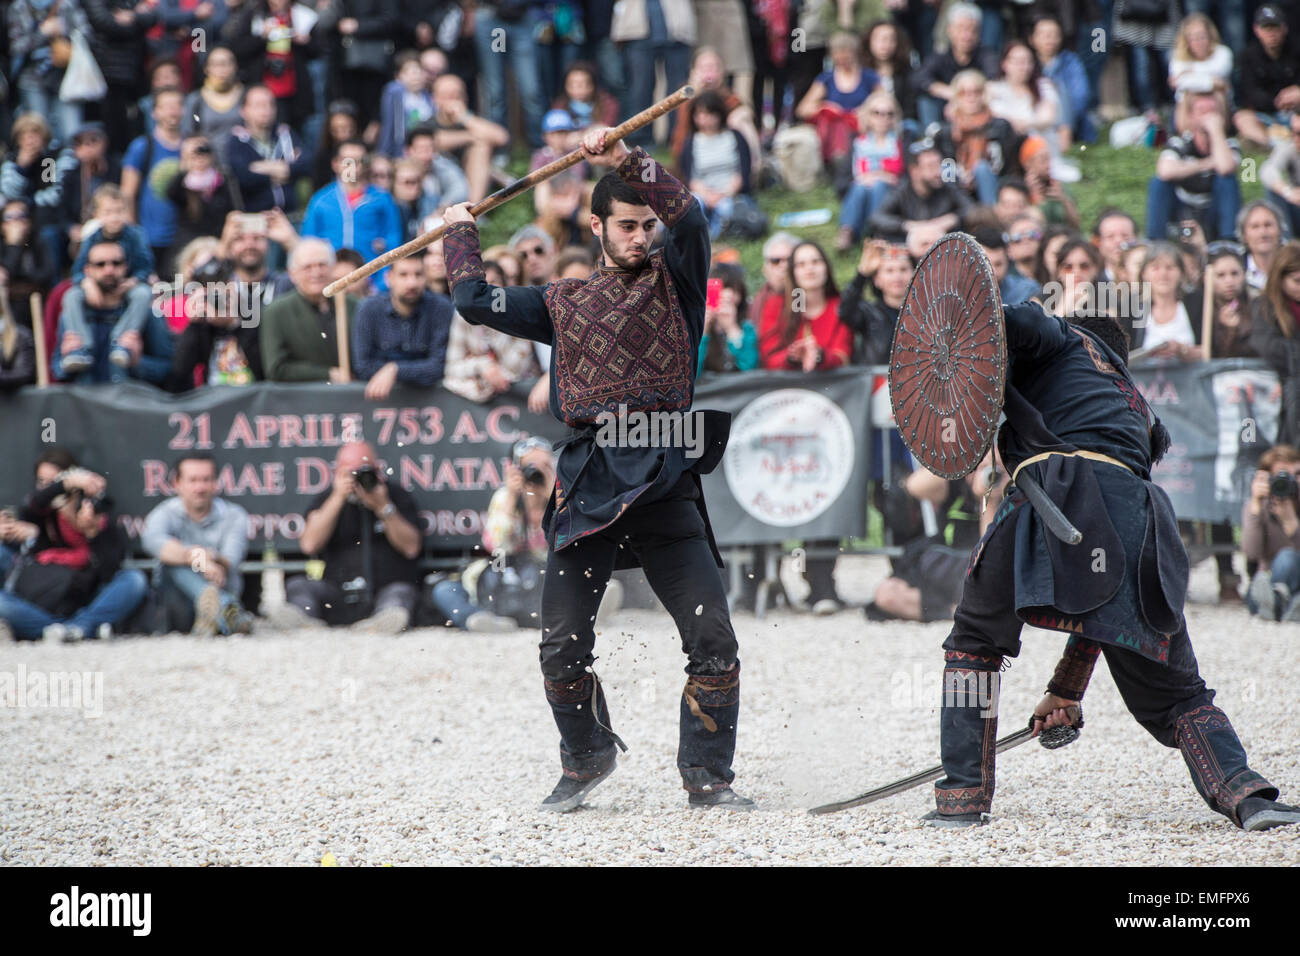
(907, 783)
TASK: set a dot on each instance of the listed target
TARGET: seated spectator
(340, 126)
(1270, 535)
(1199, 58)
(200, 540)
(218, 347)
(964, 53)
(15, 534)
(1045, 190)
(716, 164)
(980, 144)
(24, 261)
(1029, 102)
(510, 581)
(69, 584)
(537, 252)
(1165, 329)
(351, 212)
(1114, 231)
(104, 319)
(93, 168)
(272, 41)
(1230, 331)
(811, 338)
(709, 73)
(244, 247)
(367, 532)
(584, 100)
(265, 157)
(1280, 175)
(298, 330)
(1275, 335)
(888, 53)
(213, 109)
(836, 95)
(401, 337)
(1196, 173)
(887, 270)
(407, 102)
(563, 202)
(442, 182)
(920, 210)
(925, 581)
(1261, 229)
(34, 173)
(112, 223)
(1269, 89)
(1024, 241)
(156, 216)
(469, 139)
(1064, 69)
(1013, 287)
(876, 166)
(201, 193)
(17, 348)
(730, 342)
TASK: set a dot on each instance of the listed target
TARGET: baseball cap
(1268, 15)
(558, 121)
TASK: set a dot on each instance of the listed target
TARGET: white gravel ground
(436, 746)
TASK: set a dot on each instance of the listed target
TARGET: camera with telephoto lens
(367, 478)
(1283, 485)
(533, 475)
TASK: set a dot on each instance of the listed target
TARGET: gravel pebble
(435, 748)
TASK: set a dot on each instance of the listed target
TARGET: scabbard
(1052, 516)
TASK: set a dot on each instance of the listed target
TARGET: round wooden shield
(948, 367)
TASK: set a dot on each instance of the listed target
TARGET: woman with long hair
(876, 164)
(888, 52)
(833, 97)
(1230, 326)
(584, 99)
(1030, 103)
(1166, 329)
(1199, 56)
(729, 343)
(1260, 228)
(1054, 237)
(1073, 286)
(340, 125)
(213, 109)
(17, 348)
(1275, 335)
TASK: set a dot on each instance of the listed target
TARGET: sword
(1052, 739)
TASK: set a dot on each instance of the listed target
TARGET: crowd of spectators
(181, 227)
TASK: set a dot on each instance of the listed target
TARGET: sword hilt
(1054, 738)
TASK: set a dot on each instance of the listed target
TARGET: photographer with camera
(368, 533)
(1270, 535)
(218, 347)
(69, 583)
(200, 541)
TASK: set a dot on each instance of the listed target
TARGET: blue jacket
(1071, 80)
(257, 189)
(373, 227)
(392, 119)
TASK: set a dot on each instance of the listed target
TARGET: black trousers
(669, 538)
(1169, 699)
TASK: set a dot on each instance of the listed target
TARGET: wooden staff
(1207, 313)
(644, 118)
(38, 339)
(341, 329)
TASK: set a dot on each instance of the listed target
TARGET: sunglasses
(1225, 246)
(1022, 236)
(111, 263)
(525, 445)
(881, 112)
(777, 260)
(535, 251)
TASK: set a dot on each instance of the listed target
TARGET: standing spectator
(709, 73)
(982, 145)
(1274, 319)
(201, 192)
(408, 194)
(217, 347)
(39, 32)
(340, 126)
(200, 540)
(1261, 230)
(213, 109)
(299, 338)
(515, 23)
(716, 164)
(34, 173)
(888, 54)
(1115, 231)
(198, 261)
(834, 97)
(367, 532)
(17, 351)
(1230, 331)
(1269, 90)
(1064, 69)
(808, 59)
(401, 337)
(1280, 175)
(93, 168)
(921, 209)
(244, 246)
(811, 338)
(1147, 34)
(730, 342)
(104, 319)
(145, 154)
(69, 584)
(650, 31)
(776, 269)
(769, 33)
(163, 75)
(117, 40)
(352, 213)
(1196, 172)
(585, 100)
(723, 26)
(440, 181)
(181, 22)
(1029, 102)
(559, 32)
(877, 164)
(1199, 57)
(1270, 534)
(23, 262)
(936, 73)
(361, 35)
(600, 49)
(468, 138)
(407, 102)
(273, 41)
(265, 157)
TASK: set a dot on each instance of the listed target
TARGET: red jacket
(833, 337)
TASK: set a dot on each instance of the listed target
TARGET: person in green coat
(299, 332)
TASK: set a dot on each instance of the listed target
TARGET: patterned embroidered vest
(620, 339)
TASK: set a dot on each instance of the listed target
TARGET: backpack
(798, 153)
